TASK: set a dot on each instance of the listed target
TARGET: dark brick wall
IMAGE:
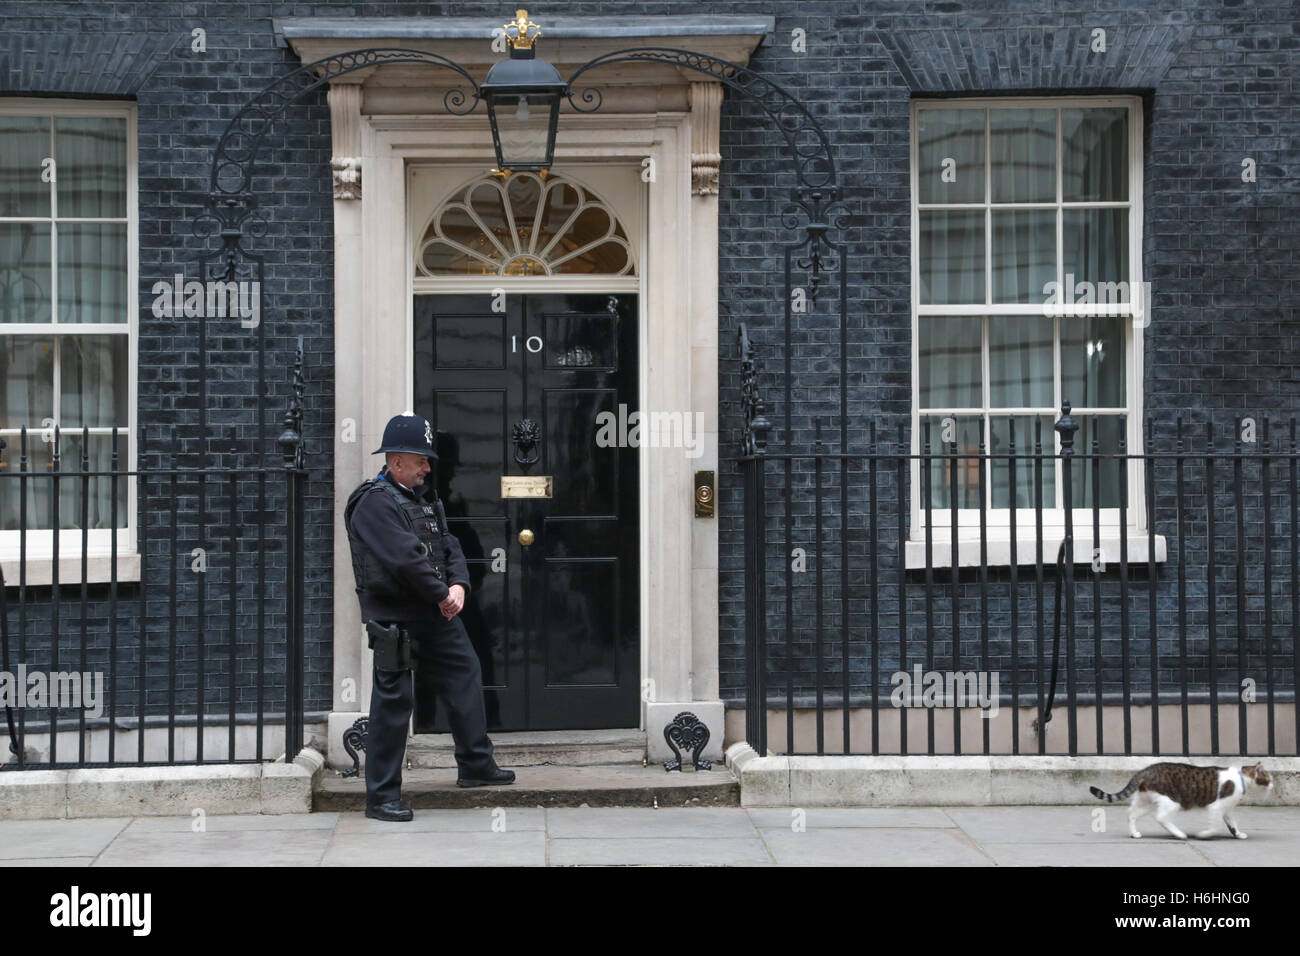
(1218, 84)
(1216, 88)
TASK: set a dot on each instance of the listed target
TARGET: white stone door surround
(385, 119)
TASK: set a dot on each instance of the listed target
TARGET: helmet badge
(428, 434)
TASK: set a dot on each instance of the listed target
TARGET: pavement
(677, 836)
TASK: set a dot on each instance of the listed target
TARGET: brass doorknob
(526, 537)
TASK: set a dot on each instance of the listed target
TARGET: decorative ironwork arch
(818, 202)
(810, 150)
(232, 206)
(233, 211)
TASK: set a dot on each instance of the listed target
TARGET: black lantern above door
(523, 97)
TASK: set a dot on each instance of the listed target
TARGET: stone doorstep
(565, 748)
(950, 780)
(548, 786)
(270, 788)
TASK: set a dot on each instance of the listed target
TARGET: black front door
(516, 386)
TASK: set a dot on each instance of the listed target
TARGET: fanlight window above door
(524, 225)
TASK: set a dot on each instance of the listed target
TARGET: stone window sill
(998, 547)
(98, 569)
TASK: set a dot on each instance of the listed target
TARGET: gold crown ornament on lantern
(522, 32)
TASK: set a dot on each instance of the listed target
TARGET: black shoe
(393, 811)
(486, 778)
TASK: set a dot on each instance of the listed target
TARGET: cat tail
(1115, 797)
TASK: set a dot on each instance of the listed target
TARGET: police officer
(412, 580)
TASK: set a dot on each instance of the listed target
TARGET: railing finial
(1066, 427)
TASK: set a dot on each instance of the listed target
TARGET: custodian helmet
(409, 433)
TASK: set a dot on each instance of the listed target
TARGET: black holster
(392, 647)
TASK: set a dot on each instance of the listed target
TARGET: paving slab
(35, 839)
(833, 817)
(1260, 848)
(438, 848)
(877, 846)
(240, 821)
(217, 848)
(1282, 819)
(1153, 852)
(49, 861)
(481, 820)
(993, 825)
(659, 851)
(699, 823)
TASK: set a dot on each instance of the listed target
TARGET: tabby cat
(1169, 787)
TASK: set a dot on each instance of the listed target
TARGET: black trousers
(447, 661)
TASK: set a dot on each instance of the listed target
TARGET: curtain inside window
(948, 361)
(1022, 153)
(1020, 361)
(26, 142)
(952, 257)
(24, 272)
(949, 434)
(1103, 487)
(1000, 435)
(92, 272)
(1024, 254)
(1094, 162)
(91, 154)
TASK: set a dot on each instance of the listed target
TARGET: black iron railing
(181, 645)
(1153, 596)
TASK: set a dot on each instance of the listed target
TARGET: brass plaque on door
(526, 486)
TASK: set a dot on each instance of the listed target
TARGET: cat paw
(1205, 834)
(1241, 834)
(1135, 835)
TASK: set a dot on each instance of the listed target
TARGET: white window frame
(40, 541)
(998, 520)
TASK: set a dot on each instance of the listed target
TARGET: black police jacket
(403, 571)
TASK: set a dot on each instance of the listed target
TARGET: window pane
(1024, 254)
(956, 135)
(949, 362)
(1022, 151)
(92, 272)
(24, 272)
(1020, 361)
(93, 380)
(952, 257)
(73, 489)
(1094, 144)
(964, 431)
(1104, 489)
(1025, 437)
(26, 144)
(1092, 362)
(26, 382)
(91, 152)
(561, 201)
(40, 486)
(1096, 249)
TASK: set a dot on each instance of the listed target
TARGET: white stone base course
(162, 791)
(960, 781)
